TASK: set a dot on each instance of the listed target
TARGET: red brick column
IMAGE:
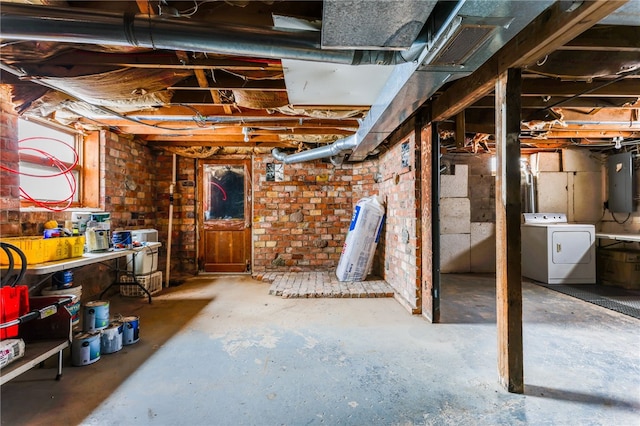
(9, 182)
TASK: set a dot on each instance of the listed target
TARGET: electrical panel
(620, 178)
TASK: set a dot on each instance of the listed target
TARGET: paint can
(121, 240)
(62, 279)
(95, 315)
(131, 332)
(111, 338)
(85, 348)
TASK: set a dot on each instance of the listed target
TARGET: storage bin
(144, 235)
(55, 249)
(145, 259)
(75, 246)
(32, 247)
(152, 282)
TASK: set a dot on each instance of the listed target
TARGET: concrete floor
(219, 350)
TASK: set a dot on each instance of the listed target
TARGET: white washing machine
(557, 252)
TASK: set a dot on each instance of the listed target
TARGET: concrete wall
(570, 182)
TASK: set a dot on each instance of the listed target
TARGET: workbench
(49, 268)
(618, 238)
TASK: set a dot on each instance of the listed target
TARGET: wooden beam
(217, 143)
(156, 60)
(607, 38)
(551, 29)
(215, 94)
(629, 87)
(508, 242)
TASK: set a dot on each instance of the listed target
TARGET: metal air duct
(28, 22)
(333, 150)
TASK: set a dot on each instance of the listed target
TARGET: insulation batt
(359, 247)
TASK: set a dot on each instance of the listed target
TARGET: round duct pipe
(28, 22)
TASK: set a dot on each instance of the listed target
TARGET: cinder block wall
(467, 214)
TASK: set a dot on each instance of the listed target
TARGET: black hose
(23, 266)
(7, 275)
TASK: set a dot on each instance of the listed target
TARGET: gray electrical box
(620, 177)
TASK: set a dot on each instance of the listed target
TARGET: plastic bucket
(62, 279)
(121, 240)
(74, 307)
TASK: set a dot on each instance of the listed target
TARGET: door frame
(201, 227)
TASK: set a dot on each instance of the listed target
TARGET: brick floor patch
(322, 284)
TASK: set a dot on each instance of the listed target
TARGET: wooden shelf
(35, 353)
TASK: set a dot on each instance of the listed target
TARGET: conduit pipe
(334, 150)
(170, 226)
(41, 23)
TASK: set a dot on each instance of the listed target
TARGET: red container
(14, 302)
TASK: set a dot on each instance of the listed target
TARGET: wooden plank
(508, 244)
(215, 94)
(91, 170)
(607, 38)
(551, 29)
(430, 260)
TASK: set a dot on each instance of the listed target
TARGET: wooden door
(225, 211)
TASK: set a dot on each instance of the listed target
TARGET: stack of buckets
(62, 284)
(101, 335)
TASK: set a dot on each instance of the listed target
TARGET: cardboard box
(619, 267)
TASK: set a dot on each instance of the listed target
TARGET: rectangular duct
(466, 40)
(373, 24)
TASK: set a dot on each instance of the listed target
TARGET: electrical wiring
(617, 221)
(64, 169)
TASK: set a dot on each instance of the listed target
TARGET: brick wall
(9, 182)
(183, 235)
(400, 245)
(300, 224)
(128, 183)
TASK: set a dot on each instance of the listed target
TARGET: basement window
(50, 171)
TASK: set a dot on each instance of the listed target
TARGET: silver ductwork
(28, 22)
(335, 152)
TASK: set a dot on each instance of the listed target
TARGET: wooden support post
(508, 241)
(460, 130)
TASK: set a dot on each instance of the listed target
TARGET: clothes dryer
(557, 252)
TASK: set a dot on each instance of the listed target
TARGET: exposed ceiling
(231, 76)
